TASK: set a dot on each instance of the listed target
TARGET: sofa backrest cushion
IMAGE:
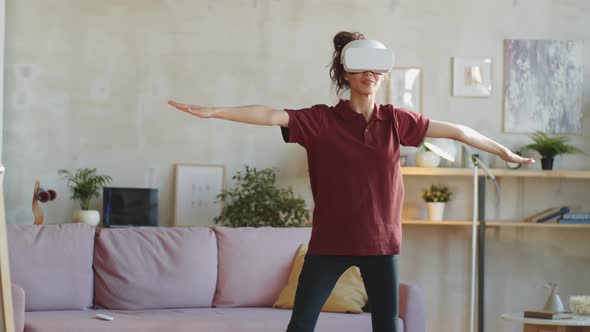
(53, 264)
(254, 263)
(155, 268)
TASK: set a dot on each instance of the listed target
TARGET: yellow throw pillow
(349, 294)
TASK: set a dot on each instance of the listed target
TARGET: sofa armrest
(18, 305)
(411, 308)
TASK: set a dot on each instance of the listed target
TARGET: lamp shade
(442, 147)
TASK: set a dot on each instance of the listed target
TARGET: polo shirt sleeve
(304, 125)
(411, 126)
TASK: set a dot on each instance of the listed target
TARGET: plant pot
(547, 163)
(90, 217)
(427, 159)
(436, 210)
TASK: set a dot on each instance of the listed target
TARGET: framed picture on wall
(402, 88)
(544, 86)
(195, 195)
(472, 76)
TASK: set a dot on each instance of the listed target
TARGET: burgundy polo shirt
(355, 175)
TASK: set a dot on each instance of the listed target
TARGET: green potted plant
(254, 201)
(549, 147)
(436, 196)
(85, 184)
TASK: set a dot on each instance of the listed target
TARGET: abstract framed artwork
(543, 86)
(195, 196)
(472, 76)
(402, 88)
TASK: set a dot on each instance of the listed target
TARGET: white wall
(87, 85)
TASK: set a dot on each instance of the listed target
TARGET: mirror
(6, 316)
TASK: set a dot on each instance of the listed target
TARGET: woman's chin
(366, 92)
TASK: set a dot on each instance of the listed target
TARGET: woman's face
(364, 83)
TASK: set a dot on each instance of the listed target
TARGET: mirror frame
(5, 284)
(7, 318)
(2, 47)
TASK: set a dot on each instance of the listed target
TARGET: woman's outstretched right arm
(251, 114)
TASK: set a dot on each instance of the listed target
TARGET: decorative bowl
(580, 304)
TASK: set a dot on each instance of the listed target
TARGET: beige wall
(87, 84)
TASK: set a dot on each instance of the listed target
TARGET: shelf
(533, 224)
(437, 223)
(493, 224)
(502, 172)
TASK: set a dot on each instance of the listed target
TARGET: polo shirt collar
(345, 112)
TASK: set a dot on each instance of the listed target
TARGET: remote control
(104, 317)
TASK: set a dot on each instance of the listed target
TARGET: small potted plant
(549, 147)
(435, 197)
(85, 185)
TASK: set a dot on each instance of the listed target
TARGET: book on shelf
(545, 314)
(548, 214)
(573, 221)
(577, 216)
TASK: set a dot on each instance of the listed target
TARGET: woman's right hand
(201, 112)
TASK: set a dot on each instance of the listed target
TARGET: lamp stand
(477, 238)
(477, 216)
(475, 161)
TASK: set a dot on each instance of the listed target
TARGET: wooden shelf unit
(498, 172)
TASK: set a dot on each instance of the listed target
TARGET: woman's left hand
(512, 157)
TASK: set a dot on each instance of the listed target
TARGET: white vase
(90, 217)
(427, 159)
(436, 210)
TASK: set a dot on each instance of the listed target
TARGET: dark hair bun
(336, 69)
(344, 37)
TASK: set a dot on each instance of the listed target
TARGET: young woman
(353, 158)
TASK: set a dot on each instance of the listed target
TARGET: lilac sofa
(165, 279)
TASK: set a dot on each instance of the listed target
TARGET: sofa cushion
(53, 264)
(254, 263)
(348, 295)
(155, 267)
(190, 320)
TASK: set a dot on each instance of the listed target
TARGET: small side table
(578, 324)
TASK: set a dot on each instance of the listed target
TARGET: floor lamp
(476, 164)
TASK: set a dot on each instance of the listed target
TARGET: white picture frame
(195, 195)
(472, 76)
(402, 88)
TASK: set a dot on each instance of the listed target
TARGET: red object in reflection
(52, 194)
(43, 196)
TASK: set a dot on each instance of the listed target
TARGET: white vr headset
(366, 55)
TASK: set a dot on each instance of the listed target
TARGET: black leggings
(319, 275)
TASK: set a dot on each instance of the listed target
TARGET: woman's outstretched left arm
(464, 134)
